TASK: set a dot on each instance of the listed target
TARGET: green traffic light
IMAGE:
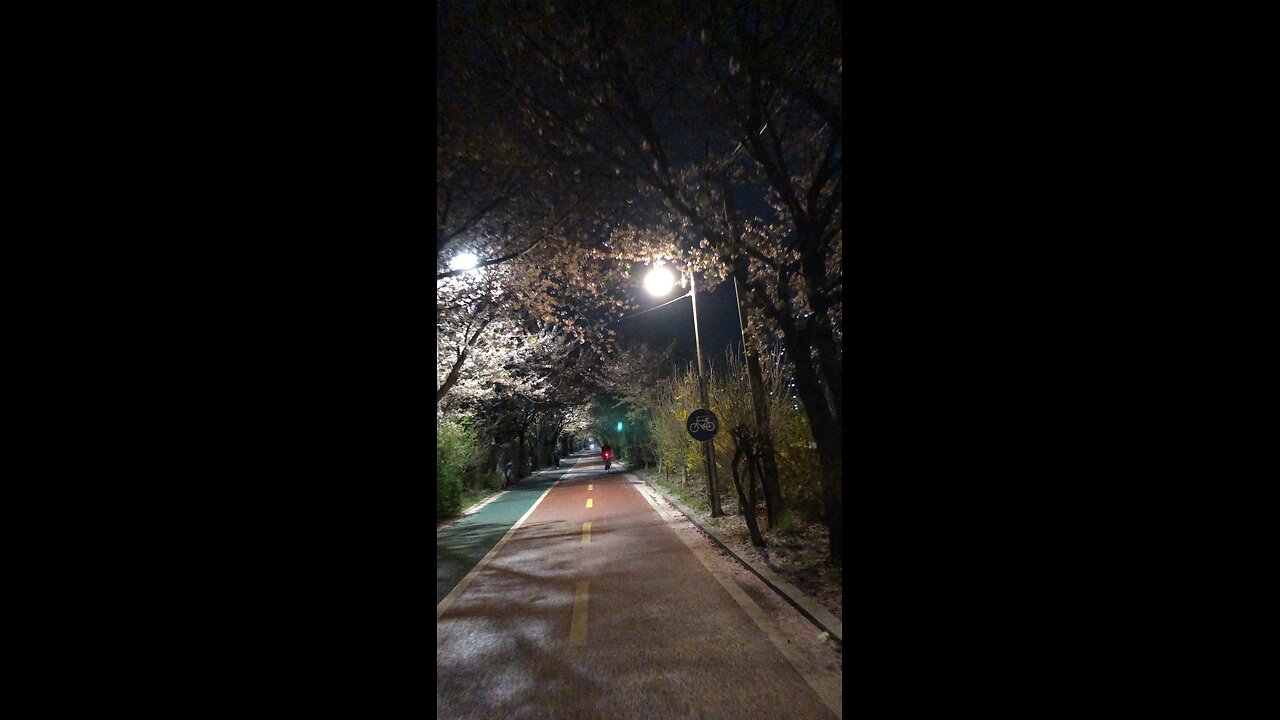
(619, 426)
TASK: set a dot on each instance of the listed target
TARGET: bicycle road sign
(702, 424)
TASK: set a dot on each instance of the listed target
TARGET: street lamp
(659, 282)
(463, 261)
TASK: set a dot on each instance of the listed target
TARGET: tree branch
(494, 261)
(455, 371)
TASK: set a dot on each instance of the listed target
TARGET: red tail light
(608, 454)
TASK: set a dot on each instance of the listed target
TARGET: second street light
(659, 282)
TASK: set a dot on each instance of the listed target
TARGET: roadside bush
(786, 523)
(454, 445)
(492, 481)
(669, 402)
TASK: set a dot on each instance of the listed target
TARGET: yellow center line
(586, 533)
(578, 626)
(588, 502)
(590, 486)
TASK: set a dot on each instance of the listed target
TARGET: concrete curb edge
(808, 607)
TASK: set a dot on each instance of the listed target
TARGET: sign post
(713, 491)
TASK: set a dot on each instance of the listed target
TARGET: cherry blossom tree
(730, 115)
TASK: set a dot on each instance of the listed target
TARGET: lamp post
(659, 282)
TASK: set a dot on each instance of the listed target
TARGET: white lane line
(652, 504)
(466, 580)
(476, 508)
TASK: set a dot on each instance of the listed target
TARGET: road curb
(808, 607)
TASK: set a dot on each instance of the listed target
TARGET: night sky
(717, 309)
(717, 319)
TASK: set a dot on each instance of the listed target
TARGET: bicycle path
(462, 544)
(598, 606)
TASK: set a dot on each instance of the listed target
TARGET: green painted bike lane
(461, 545)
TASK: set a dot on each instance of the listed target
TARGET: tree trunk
(825, 418)
(506, 459)
(828, 436)
(544, 458)
(821, 329)
(713, 497)
(452, 378)
(769, 510)
(769, 479)
(831, 445)
(748, 508)
(522, 454)
(535, 447)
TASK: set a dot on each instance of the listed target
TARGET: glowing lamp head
(464, 261)
(659, 281)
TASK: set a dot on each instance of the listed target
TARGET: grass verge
(492, 486)
(685, 495)
(471, 497)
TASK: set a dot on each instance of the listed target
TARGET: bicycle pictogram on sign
(702, 424)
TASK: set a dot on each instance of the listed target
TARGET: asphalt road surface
(594, 607)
